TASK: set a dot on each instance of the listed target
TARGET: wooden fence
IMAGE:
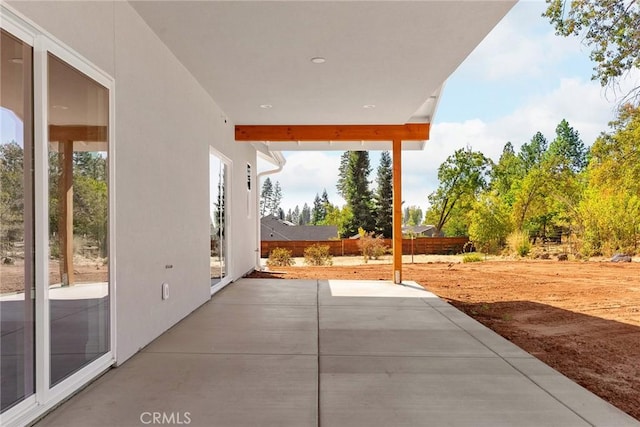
(417, 246)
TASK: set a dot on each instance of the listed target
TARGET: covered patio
(332, 353)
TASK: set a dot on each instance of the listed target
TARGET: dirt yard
(86, 271)
(582, 318)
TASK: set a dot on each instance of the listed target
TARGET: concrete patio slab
(198, 390)
(251, 328)
(338, 354)
(372, 293)
(269, 291)
(399, 342)
(410, 391)
(595, 410)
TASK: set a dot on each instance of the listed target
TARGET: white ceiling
(395, 55)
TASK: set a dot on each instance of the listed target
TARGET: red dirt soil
(581, 318)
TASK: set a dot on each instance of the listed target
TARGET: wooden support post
(397, 211)
(66, 212)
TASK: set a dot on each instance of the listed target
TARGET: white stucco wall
(164, 124)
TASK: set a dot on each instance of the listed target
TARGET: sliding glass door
(218, 195)
(78, 115)
(55, 245)
(17, 296)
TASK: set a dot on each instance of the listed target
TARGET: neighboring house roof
(419, 229)
(273, 228)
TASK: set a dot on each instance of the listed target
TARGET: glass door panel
(218, 214)
(17, 293)
(78, 114)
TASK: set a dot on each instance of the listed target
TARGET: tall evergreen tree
(295, 215)
(317, 211)
(275, 199)
(266, 195)
(505, 173)
(353, 186)
(325, 199)
(384, 196)
(567, 149)
(533, 153)
(270, 198)
(305, 215)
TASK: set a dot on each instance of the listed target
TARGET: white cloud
(522, 45)
(307, 173)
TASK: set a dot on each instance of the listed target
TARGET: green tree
(305, 215)
(609, 211)
(11, 194)
(490, 223)
(608, 27)
(412, 215)
(270, 198)
(531, 204)
(533, 153)
(462, 177)
(266, 195)
(319, 210)
(295, 215)
(567, 151)
(340, 217)
(274, 207)
(383, 197)
(615, 157)
(353, 186)
(90, 208)
(505, 173)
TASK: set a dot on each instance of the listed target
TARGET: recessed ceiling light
(369, 106)
(266, 106)
(318, 60)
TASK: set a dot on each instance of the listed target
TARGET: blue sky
(521, 79)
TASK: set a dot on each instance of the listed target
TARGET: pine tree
(305, 215)
(295, 215)
(266, 197)
(270, 198)
(567, 149)
(275, 199)
(353, 186)
(316, 211)
(325, 199)
(384, 197)
(533, 153)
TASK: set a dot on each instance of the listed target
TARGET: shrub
(371, 246)
(472, 257)
(519, 243)
(317, 255)
(280, 257)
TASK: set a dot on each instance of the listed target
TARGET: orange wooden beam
(77, 133)
(397, 211)
(406, 132)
